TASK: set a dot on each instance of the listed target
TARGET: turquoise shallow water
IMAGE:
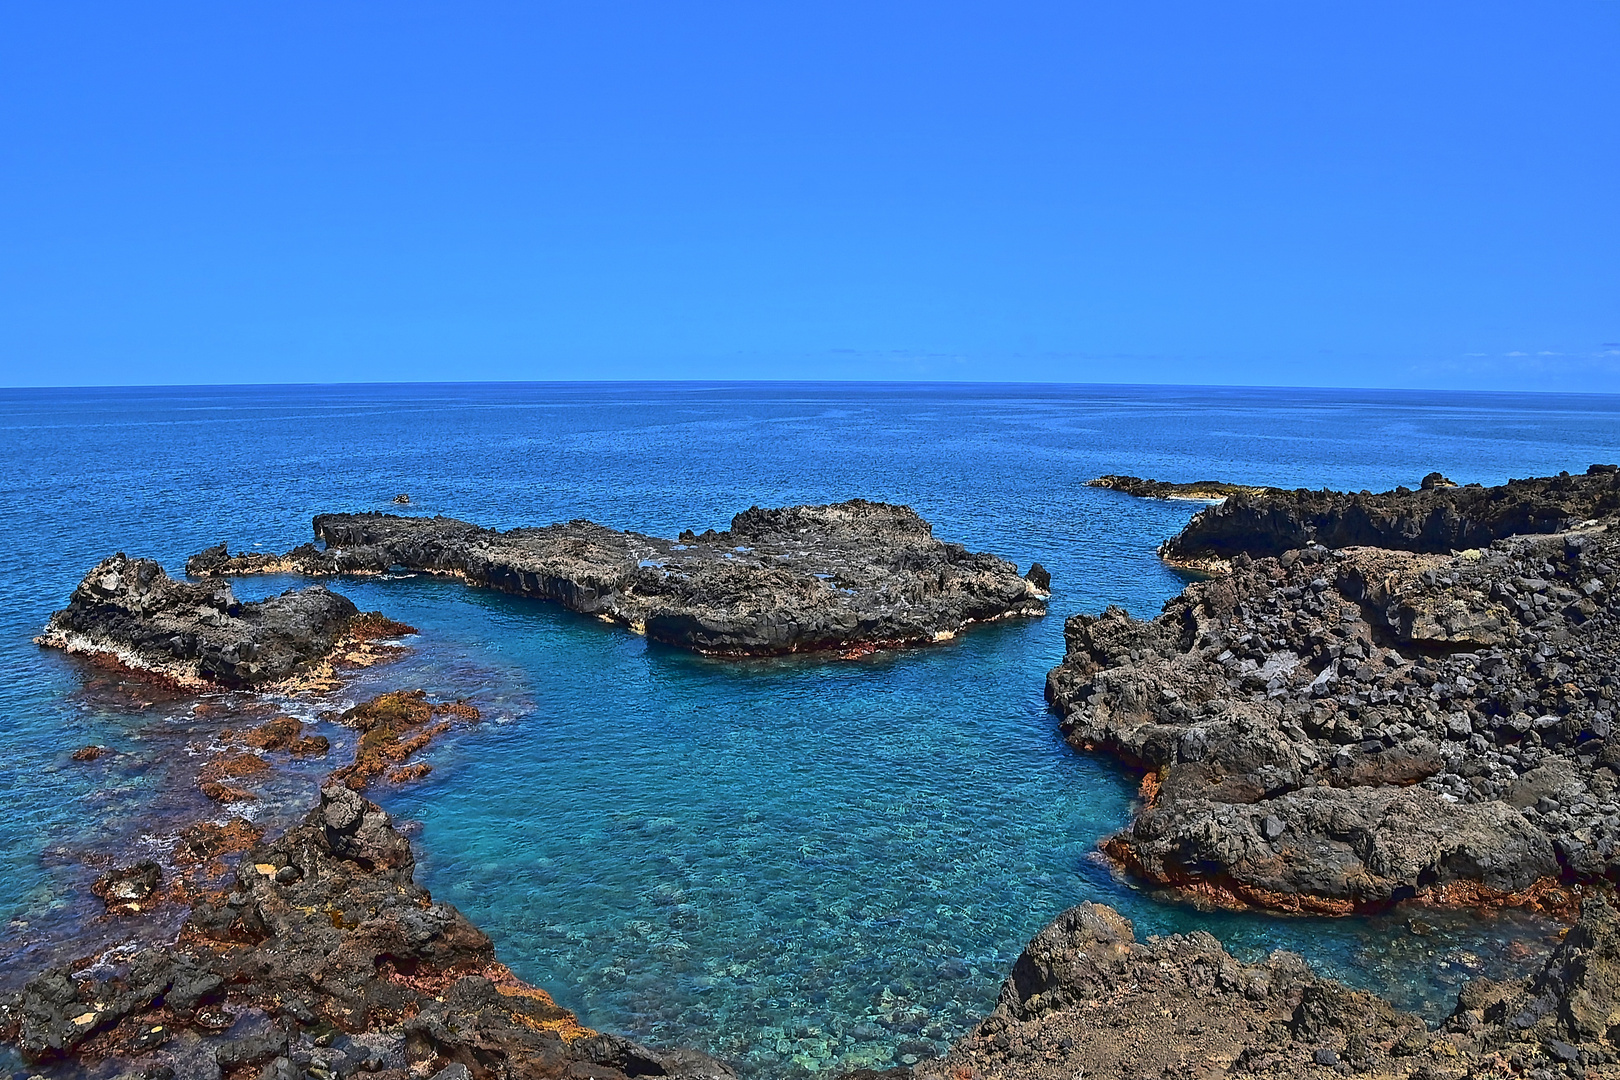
(796, 864)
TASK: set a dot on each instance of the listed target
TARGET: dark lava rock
(1436, 480)
(346, 946)
(126, 889)
(1331, 731)
(778, 581)
(129, 613)
(1439, 518)
(1086, 999)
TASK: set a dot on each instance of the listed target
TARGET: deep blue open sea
(798, 865)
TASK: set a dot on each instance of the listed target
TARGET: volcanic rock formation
(1438, 518)
(129, 612)
(1329, 731)
(324, 959)
(1086, 999)
(778, 581)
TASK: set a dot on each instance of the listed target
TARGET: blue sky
(1299, 194)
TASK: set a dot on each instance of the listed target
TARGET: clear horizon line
(721, 383)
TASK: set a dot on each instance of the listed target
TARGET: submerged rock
(1086, 999)
(1438, 518)
(778, 581)
(394, 726)
(1331, 731)
(129, 613)
(323, 945)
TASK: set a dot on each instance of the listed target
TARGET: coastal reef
(847, 576)
(129, 614)
(323, 958)
(1086, 999)
(1330, 731)
(1437, 518)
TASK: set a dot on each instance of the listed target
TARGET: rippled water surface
(796, 864)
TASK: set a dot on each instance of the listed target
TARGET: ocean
(800, 865)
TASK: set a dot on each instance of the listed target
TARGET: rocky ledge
(846, 576)
(1198, 490)
(128, 613)
(1437, 518)
(1086, 999)
(323, 959)
(1330, 731)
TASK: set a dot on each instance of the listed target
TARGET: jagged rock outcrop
(1438, 518)
(778, 581)
(130, 613)
(1086, 999)
(324, 959)
(1334, 730)
(1198, 490)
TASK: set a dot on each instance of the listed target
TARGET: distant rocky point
(850, 575)
(1439, 517)
(1198, 490)
(128, 613)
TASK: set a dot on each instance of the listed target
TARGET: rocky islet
(130, 614)
(851, 575)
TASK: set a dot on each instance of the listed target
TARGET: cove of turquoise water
(799, 865)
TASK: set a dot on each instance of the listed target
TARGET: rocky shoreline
(853, 575)
(1087, 1000)
(322, 958)
(307, 955)
(1336, 730)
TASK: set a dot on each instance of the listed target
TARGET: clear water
(798, 865)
